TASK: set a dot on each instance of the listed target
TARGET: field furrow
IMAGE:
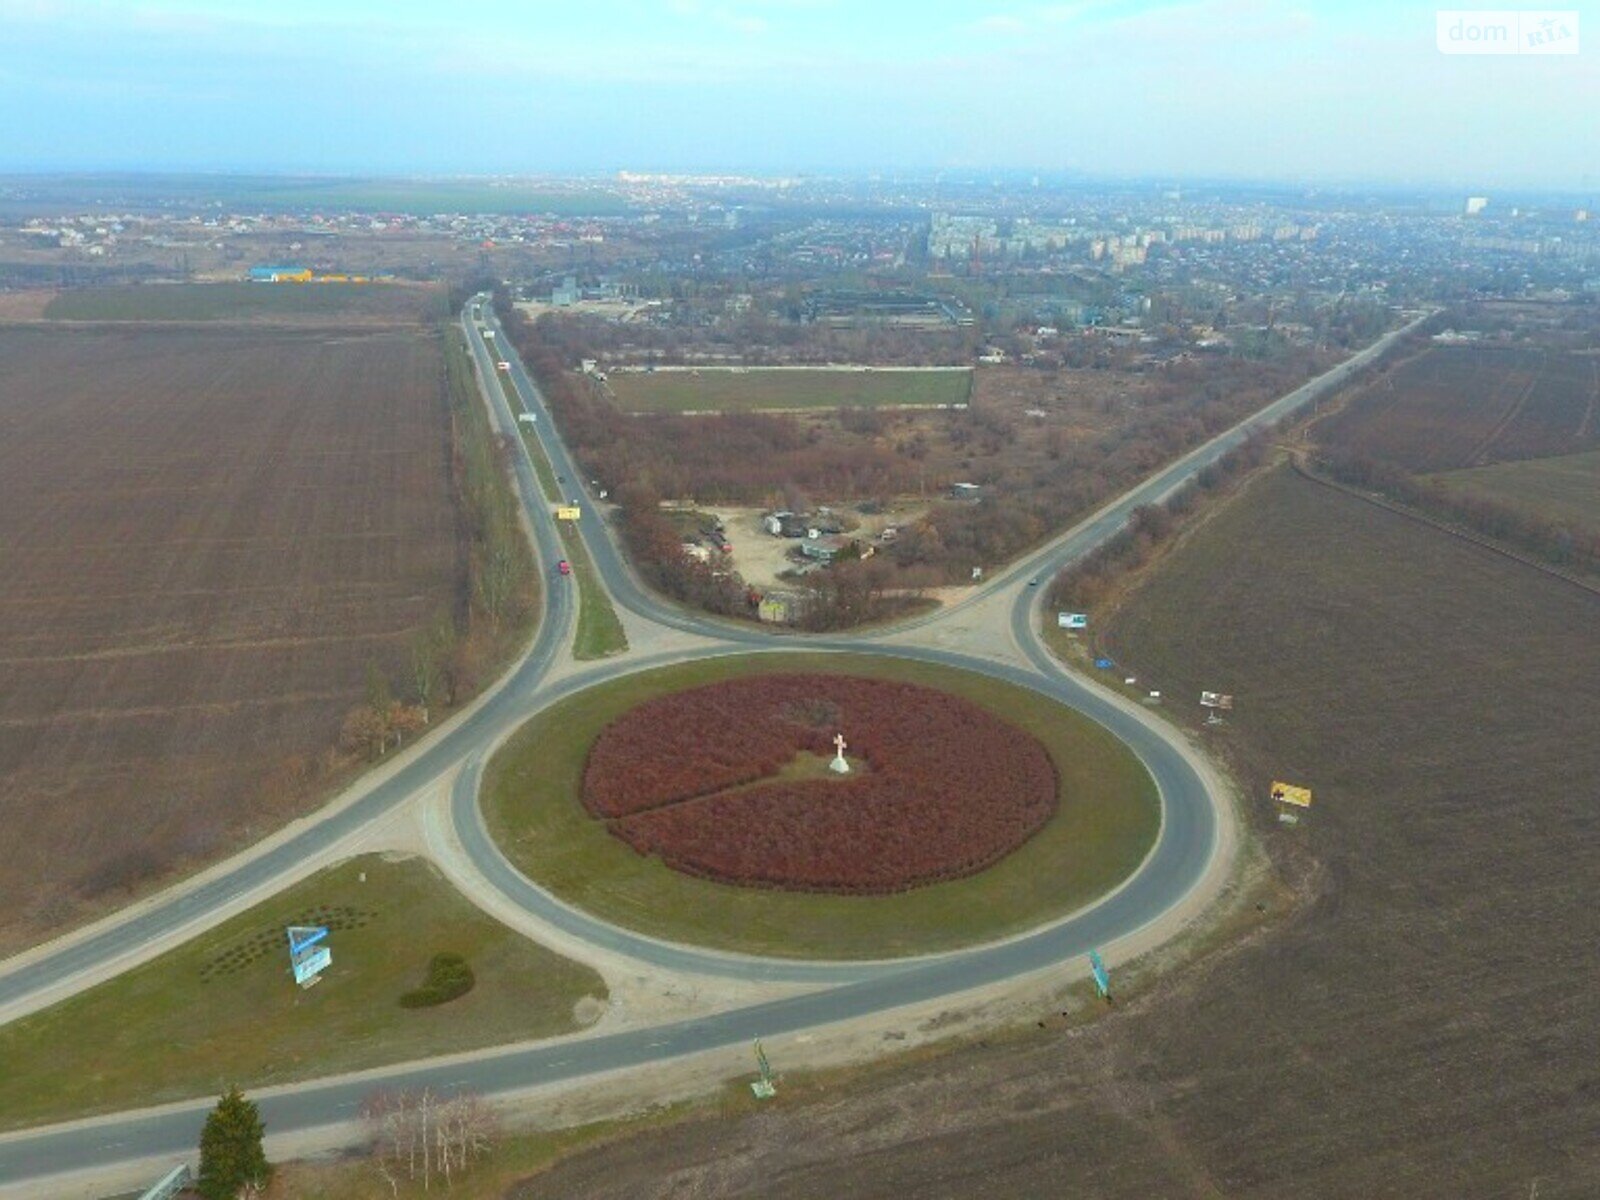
(208, 534)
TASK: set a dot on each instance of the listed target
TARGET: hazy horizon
(1329, 94)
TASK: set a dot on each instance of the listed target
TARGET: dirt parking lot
(758, 556)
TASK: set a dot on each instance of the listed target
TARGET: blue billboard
(307, 957)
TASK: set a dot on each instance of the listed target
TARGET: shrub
(449, 977)
(947, 790)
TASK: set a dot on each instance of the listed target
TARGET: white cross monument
(838, 764)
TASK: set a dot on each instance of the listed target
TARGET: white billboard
(306, 969)
(1066, 620)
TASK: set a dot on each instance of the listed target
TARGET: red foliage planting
(942, 788)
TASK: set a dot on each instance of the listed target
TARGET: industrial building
(280, 274)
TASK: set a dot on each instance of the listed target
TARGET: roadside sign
(1288, 793)
(763, 1088)
(308, 958)
(1105, 664)
(568, 512)
(1102, 977)
(1070, 620)
(308, 968)
(1216, 700)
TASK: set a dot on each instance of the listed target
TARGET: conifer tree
(232, 1161)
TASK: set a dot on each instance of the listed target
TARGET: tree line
(1559, 543)
(1087, 582)
(445, 658)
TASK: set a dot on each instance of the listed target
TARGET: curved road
(1180, 858)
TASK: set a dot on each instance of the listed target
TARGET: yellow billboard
(1289, 794)
(567, 512)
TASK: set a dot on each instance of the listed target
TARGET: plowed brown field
(205, 537)
(1466, 406)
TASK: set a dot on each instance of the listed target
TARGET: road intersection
(994, 631)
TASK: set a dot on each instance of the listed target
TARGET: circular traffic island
(746, 782)
(713, 804)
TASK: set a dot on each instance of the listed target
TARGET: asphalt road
(1188, 836)
(1175, 865)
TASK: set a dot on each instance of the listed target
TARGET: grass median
(1107, 821)
(223, 1008)
(599, 633)
(742, 389)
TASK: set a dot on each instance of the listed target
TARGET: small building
(824, 549)
(965, 491)
(784, 524)
(268, 273)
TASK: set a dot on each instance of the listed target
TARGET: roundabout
(1140, 841)
(1049, 856)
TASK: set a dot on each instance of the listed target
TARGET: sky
(1351, 91)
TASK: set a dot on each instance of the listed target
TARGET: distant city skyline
(1222, 89)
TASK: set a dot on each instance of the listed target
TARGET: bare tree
(364, 730)
(402, 719)
(425, 669)
(498, 581)
(465, 1131)
(417, 1137)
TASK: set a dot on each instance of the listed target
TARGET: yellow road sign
(567, 512)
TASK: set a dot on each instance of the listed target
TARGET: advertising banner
(307, 956)
(307, 967)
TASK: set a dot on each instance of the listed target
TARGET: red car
(564, 567)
